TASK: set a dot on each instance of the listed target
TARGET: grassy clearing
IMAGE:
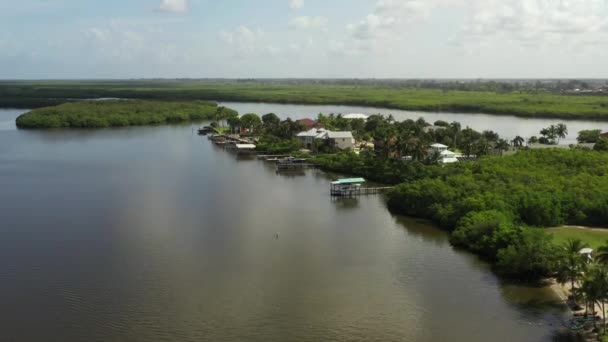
(593, 237)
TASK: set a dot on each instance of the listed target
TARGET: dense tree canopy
(116, 113)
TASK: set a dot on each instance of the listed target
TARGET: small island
(116, 113)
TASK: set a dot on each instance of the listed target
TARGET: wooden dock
(359, 191)
(295, 166)
(272, 156)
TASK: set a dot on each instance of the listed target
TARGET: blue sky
(303, 38)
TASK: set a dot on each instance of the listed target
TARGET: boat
(206, 130)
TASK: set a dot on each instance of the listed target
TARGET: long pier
(295, 166)
(359, 191)
(272, 156)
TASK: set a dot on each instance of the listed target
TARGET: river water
(154, 234)
(507, 126)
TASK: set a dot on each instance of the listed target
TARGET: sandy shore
(562, 291)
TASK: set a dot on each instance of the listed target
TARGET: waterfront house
(341, 140)
(438, 148)
(445, 156)
(448, 157)
(307, 138)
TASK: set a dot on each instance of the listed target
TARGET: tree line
(116, 113)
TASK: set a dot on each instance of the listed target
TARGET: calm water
(507, 126)
(154, 234)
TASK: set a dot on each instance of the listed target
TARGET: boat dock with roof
(348, 187)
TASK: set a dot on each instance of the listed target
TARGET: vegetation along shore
(496, 200)
(525, 100)
(116, 113)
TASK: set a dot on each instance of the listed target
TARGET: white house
(445, 156)
(448, 157)
(307, 138)
(438, 148)
(341, 140)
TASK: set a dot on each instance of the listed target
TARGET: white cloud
(390, 16)
(534, 22)
(306, 22)
(244, 41)
(296, 4)
(174, 6)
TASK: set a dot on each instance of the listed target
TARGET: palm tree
(417, 149)
(561, 130)
(601, 254)
(595, 289)
(518, 141)
(502, 145)
(572, 264)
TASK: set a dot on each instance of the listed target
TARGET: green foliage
(388, 171)
(485, 232)
(270, 119)
(539, 187)
(101, 114)
(488, 203)
(589, 136)
(533, 256)
(526, 100)
(274, 145)
(251, 121)
(601, 145)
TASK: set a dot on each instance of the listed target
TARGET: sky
(41, 39)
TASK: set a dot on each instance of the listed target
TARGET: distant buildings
(355, 116)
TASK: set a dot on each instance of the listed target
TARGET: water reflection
(345, 202)
(422, 229)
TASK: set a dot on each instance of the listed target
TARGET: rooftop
(245, 146)
(349, 181)
(355, 116)
(438, 146)
(335, 135)
(311, 132)
(307, 122)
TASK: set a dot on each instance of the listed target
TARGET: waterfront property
(445, 156)
(448, 157)
(340, 140)
(307, 138)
